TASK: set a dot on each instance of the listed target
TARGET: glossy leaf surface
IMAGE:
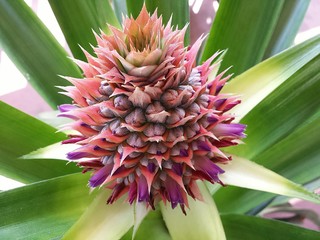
(240, 227)
(288, 24)
(78, 20)
(34, 50)
(202, 213)
(178, 10)
(43, 210)
(21, 134)
(245, 28)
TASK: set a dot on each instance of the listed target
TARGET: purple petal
(143, 192)
(184, 152)
(231, 105)
(67, 116)
(132, 194)
(220, 102)
(115, 193)
(218, 89)
(210, 169)
(232, 129)
(73, 140)
(77, 155)
(84, 125)
(177, 168)
(97, 148)
(119, 170)
(204, 146)
(66, 107)
(151, 167)
(212, 119)
(100, 176)
(174, 192)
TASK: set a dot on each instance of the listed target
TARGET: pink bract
(150, 122)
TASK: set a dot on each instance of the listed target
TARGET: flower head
(150, 122)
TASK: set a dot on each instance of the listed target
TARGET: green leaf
(21, 134)
(105, 14)
(120, 8)
(244, 27)
(282, 111)
(140, 212)
(244, 173)
(134, 7)
(101, 221)
(290, 153)
(258, 82)
(50, 118)
(276, 128)
(240, 227)
(178, 10)
(53, 151)
(285, 157)
(43, 210)
(34, 50)
(202, 220)
(289, 22)
(78, 20)
(153, 225)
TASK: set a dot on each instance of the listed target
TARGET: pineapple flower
(149, 122)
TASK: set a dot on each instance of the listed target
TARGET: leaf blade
(106, 221)
(178, 10)
(289, 154)
(290, 19)
(245, 173)
(258, 18)
(240, 227)
(35, 51)
(203, 213)
(93, 15)
(258, 82)
(17, 131)
(54, 151)
(43, 210)
(282, 111)
(278, 124)
(153, 225)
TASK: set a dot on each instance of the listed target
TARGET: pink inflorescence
(149, 122)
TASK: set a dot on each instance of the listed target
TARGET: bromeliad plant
(154, 124)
